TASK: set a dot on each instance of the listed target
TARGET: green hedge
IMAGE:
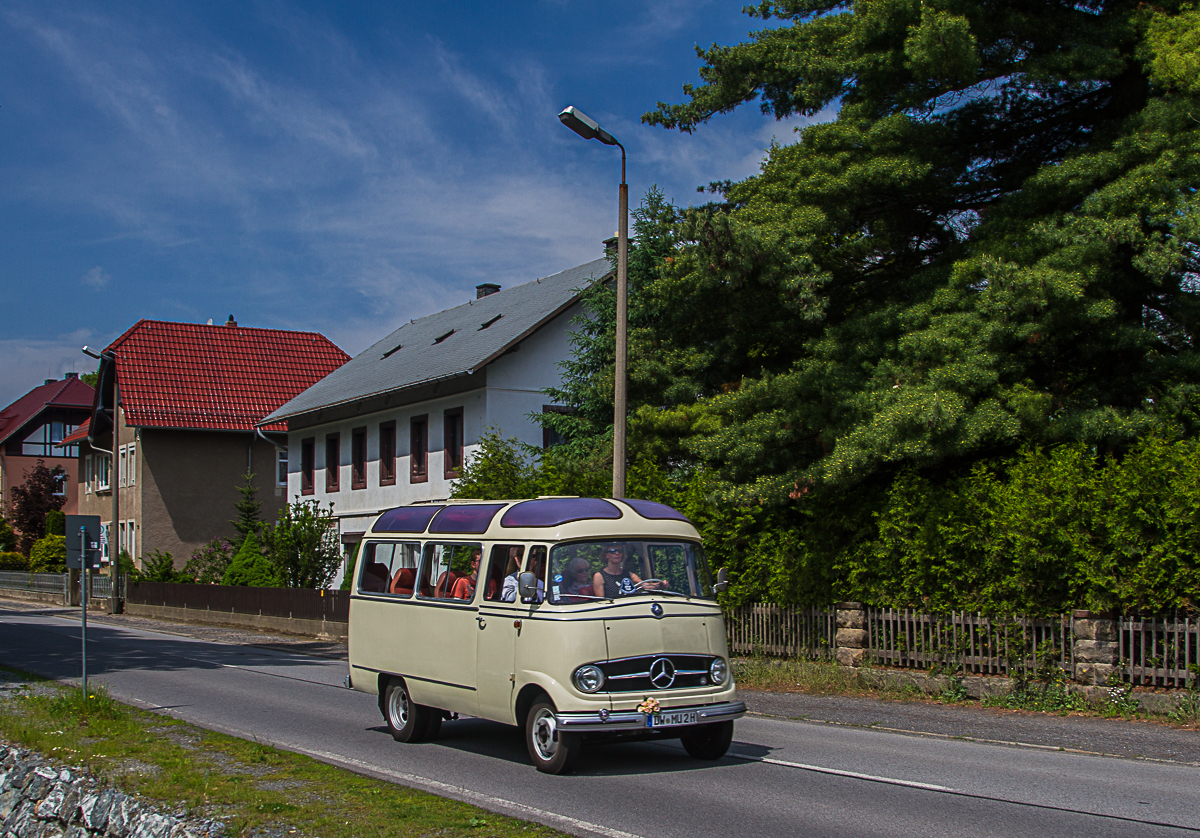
(1043, 532)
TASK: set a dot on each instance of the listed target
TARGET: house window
(308, 448)
(333, 461)
(60, 485)
(281, 463)
(453, 439)
(132, 463)
(45, 438)
(551, 437)
(419, 449)
(358, 458)
(123, 470)
(104, 539)
(89, 473)
(387, 454)
(103, 467)
(131, 543)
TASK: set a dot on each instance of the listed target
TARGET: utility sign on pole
(84, 537)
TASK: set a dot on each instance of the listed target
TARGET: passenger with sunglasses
(613, 580)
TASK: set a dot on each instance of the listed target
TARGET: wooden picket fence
(781, 630)
(967, 642)
(1160, 651)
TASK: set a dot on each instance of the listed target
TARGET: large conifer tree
(996, 241)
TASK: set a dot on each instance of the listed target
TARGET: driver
(613, 580)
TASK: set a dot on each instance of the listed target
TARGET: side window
(503, 570)
(389, 567)
(536, 564)
(449, 571)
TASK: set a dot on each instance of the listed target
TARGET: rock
(152, 825)
(8, 799)
(70, 804)
(121, 814)
(96, 817)
(51, 803)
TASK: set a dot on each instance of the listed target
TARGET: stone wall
(39, 800)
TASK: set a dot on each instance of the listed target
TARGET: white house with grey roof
(395, 424)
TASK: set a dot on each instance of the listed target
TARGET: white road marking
(837, 772)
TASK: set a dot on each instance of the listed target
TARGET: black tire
(550, 750)
(434, 726)
(708, 741)
(406, 720)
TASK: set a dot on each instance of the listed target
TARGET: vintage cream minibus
(574, 618)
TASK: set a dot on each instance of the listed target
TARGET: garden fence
(1159, 651)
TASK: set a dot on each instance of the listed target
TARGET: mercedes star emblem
(656, 610)
(662, 673)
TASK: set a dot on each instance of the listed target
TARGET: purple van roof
(655, 511)
(406, 519)
(550, 512)
(475, 518)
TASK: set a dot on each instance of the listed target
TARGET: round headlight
(718, 670)
(588, 678)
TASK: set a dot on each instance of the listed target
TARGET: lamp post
(114, 482)
(589, 129)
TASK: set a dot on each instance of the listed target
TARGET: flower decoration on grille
(649, 706)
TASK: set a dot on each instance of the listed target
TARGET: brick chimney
(486, 290)
(231, 323)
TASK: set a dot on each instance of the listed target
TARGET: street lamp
(589, 129)
(114, 482)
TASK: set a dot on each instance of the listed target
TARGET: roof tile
(189, 375)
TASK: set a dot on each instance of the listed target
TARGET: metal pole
(83, 595)
(622, 355)
(114, 541)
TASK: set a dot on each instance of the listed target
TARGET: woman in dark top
(612, 580)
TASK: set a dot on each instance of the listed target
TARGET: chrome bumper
(633, 720)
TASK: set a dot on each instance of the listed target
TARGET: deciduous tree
(32, 500)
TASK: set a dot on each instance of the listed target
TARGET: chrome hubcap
(545, 735)
(398, 708)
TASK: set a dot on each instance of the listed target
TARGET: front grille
(629, 675)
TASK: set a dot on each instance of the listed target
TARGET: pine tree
(995, 242)
(249, 510)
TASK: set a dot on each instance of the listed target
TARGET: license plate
(688, 717)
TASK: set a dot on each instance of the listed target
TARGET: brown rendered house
(31, 428)
(188, 397)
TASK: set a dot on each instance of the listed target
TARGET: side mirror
(527, 585)
(722, 581)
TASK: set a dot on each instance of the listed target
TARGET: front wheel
(708, 741)
(551, 750)
(406, 720)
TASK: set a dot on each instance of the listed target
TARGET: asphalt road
(782, 778)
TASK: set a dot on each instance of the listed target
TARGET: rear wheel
(551, 750)
(708, 741)
(406, 720)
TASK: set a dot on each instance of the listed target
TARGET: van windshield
(593, 570)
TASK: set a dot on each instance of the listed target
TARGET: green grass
(814, 678)
(251, 786)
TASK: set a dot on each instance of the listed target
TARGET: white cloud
(97, 277)
(28, 363)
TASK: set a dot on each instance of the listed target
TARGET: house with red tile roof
(188, 402)
(31, 429)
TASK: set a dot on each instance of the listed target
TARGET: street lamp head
(585, 126)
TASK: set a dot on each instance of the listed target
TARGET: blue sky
(339, 167)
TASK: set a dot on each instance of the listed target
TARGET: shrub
(304, 545)
(49, 555)
(56, 523)
(250, 567)
(208, 564)
(159, 566)
(12, 560)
